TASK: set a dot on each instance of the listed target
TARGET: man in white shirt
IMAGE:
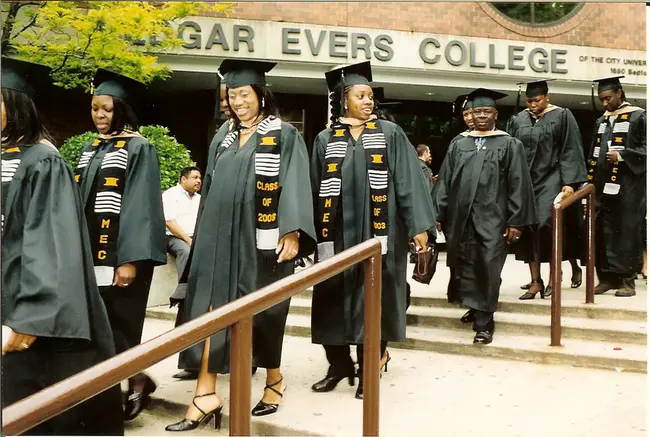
(181, 205)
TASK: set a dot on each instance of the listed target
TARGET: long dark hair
(337, 101)
(264, 95)
(124, 117)
(23, 123)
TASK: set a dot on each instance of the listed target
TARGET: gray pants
(181, 250)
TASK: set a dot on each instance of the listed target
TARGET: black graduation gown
(337, 304)
(225, 263)
(428, 175)
(141, 238)
(49, 290)
(479, 194)
(555, 158)
(620, 218)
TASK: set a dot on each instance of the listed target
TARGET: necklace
(247, 129)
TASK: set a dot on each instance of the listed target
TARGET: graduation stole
(267, 181)
(104, 227)
(374, 143)
(620, 130)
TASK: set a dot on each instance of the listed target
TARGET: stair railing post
(371, 343)
(556, 279)
(241, 363)
(590, 224)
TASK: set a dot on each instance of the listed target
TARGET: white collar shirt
(182, 207)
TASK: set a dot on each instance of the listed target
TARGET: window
(537, 13)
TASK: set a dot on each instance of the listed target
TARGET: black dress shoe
(329, 383)
(548, 291)
(603, 288)
(483, 337)
(469, 316)
(186, 375)
(137, 401)
(359, 392)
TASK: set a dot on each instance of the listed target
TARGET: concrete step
(423, 393)
(578, 353)
(573, 306)
(605, 354)
(626, 331)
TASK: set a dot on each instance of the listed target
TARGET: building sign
(333, 45)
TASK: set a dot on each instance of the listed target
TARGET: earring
(346, 106)
(262, 102)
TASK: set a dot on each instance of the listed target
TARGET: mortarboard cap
(609, 83)
(536, 87)
(355, 74)
(239, 72)
(26, 77)
(461, 104)
(484, 97)
(110, 83)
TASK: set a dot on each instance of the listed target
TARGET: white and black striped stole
(104, 225)
(267, 181)
(374, 143)
(620, 130)
(10, 162)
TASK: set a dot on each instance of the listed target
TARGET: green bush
(173, 156)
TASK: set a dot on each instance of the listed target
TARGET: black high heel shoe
(188, 425)
(263, 408)
(576, 280)
(330, 382)
(537, 283)
(385, 366)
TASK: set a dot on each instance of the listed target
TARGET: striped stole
(104, 225)
(620, 130)
(374, 143)
(267, 182)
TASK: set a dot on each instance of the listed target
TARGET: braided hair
(337, 102)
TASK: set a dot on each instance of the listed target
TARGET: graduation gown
(621, 217)
(481, 191)
(225, 264)
(141, 236)
(49, 289)
(555, 158)
(337, 304)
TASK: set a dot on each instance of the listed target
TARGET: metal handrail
(588, 191)
(29, 412)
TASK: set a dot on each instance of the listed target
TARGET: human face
(102, 113)
(223, 101)
(360, 102)
(537, 105)
(467, 117)
(4, 116)
(611, 99)
(484, 118)
(426, 156)
(192, 182)
(244, 103)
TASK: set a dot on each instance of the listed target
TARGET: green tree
(173, 156)
(76, 38)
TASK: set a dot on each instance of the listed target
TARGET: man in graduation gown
(617, 166)
(484, 197)
(554, 155)
(337, 305)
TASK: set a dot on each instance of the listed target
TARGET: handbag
(425, 264)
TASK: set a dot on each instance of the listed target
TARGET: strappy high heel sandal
(263, 408)
(536, 284)
(188, 425)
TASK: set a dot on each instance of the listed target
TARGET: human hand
(613, 157)
(15, 341)
(288, 247)
(567, 191)
(420, 241)
(512, 235)
(124, 275)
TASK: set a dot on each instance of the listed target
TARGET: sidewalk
(426, 393)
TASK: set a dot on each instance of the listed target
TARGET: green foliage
(76, 38)
(173, 156)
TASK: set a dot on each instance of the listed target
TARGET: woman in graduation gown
(54, 323)
(555, 158)
(119, 179)
(366, 182)
(256, 219)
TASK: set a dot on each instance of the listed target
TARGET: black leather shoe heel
(329, 383)
(188, 425)
(263, 408)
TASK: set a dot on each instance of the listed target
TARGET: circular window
(537, 14)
